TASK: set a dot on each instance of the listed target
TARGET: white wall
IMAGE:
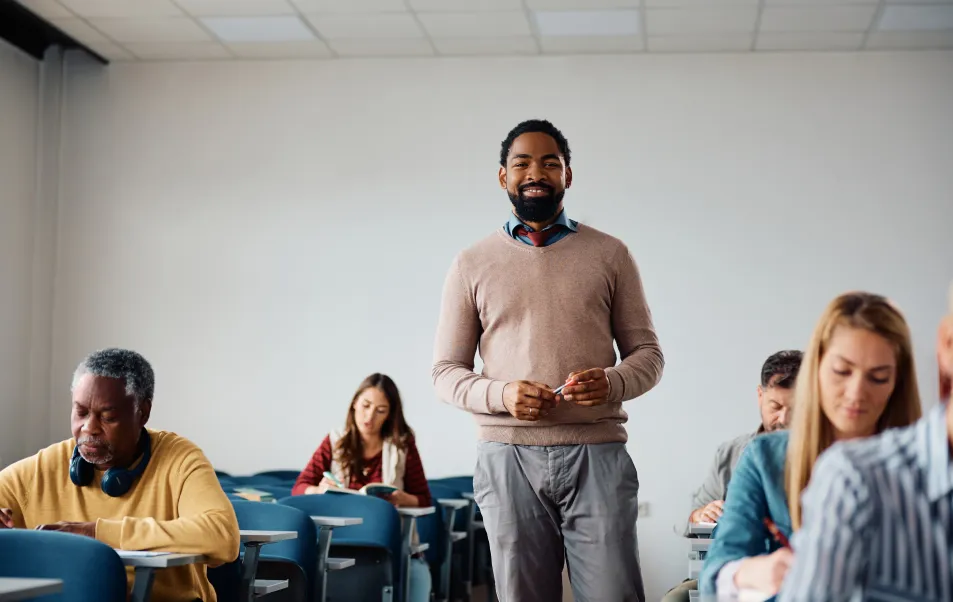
(19, 102)
(269, 233)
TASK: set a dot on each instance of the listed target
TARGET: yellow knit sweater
(177, 505)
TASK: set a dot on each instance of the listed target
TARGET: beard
(104, 456)
(538, 208)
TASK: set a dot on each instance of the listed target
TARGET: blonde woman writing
(857, 379)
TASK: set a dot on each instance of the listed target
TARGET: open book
(374, 489)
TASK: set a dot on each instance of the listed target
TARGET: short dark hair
(780, 370)
(532, 126)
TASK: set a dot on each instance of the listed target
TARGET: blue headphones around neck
(117, 481)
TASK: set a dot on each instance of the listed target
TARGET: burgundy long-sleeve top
(415, 481)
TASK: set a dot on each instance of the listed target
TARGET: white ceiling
(130, 30)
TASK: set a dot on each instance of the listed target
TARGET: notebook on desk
(373, 489)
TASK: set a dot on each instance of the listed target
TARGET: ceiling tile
(587, 23)
(179, 51)
(382, 47)
(809, 40)
(580, 4)
(350, 6)
(79, 29)
(122, 8)
(590, 44)
(917, 18)
(386, 25)
(817, 18)
(258, 29)
(729, 19)
(723, 42)
(111, 52)
(486, 46)
(236, 8)
(700, 3)
(446, 6)
(449, 25)
(175, 29)
(281, 50)
(820, 2)
(909, 40)
(47, 8)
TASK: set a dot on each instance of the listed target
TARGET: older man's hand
(87, 529)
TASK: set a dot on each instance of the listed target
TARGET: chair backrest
(278, 491)
(220, 474)
(463, 484)
(91, 571)
(439, 491)
(380, 529)
(255, 480)
(302, 551)
(431, 529)
(284, 475)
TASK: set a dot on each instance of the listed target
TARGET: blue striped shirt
(877, 520)
(565, 226)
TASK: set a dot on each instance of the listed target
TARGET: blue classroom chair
(375, 545)
(91, 571)
(255, 480)
(284, 475)
(295, 559)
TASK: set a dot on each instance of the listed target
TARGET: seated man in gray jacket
(775, 396)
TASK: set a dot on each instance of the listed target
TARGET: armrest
(420, 547)
(416, 512)
(458, 536)
(337, 564)
(455, 504)
(262, 587)
(336, 521)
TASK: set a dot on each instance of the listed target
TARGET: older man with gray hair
(130, 487)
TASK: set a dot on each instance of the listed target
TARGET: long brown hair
(811, 430)
(349, 450)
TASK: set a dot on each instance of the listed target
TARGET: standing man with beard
(544, 298)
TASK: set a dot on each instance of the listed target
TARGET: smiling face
(535, 177)
(857, 375)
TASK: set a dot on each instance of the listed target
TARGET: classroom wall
(19, 101)
(269, 233)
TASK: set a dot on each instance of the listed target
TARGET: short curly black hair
(783, 364)
(530, 126)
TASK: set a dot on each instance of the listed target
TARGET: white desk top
(416, 512)
(158, 560)
(420, 547)
(701, 528)
(337, 564)
(337, 521)
(467, 495)
(458, 536)
(455, 504)
(252, 536)
(268, 586)
(17, 588)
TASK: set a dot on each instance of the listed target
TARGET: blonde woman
(856, 380)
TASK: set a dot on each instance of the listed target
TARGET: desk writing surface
(254, 536)
(416, 512)
(134, 558)
(337, 521)
(21, 588)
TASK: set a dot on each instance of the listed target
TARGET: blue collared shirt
(878, 520)
(565, 225)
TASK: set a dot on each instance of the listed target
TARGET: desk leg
(324, 548)
(444, 591)
(142, 586)
(249, 568)
(407, 535)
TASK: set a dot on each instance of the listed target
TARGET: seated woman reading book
(374, 455)
(376, 447)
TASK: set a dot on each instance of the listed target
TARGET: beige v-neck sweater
(539, 313)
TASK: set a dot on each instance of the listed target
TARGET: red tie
(538, 238)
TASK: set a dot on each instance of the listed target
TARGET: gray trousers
(545, 505)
